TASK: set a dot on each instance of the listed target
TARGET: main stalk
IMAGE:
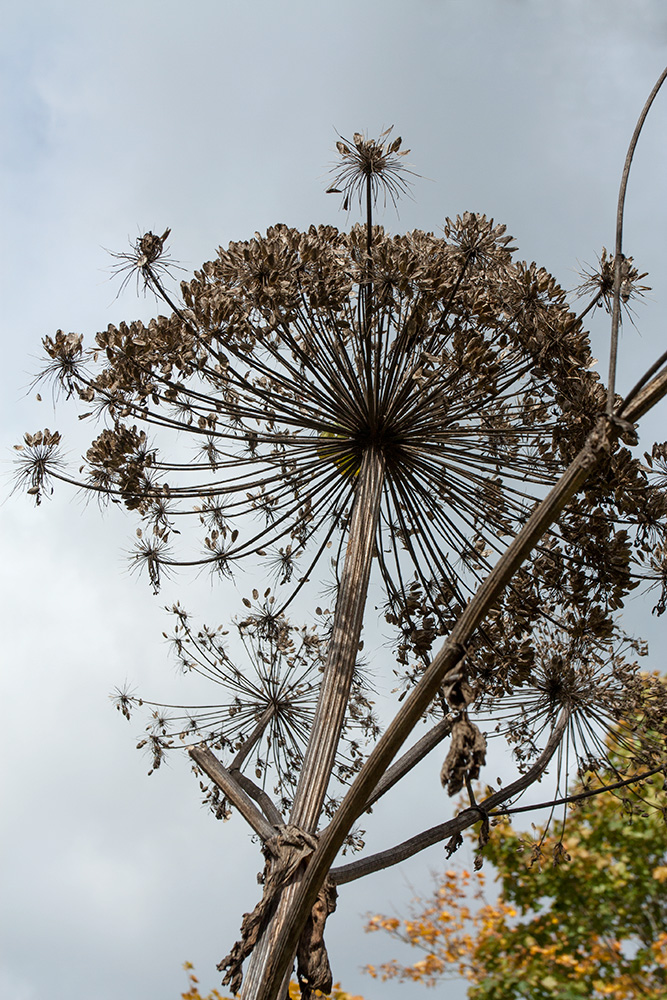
(343, 646)
(335, 688)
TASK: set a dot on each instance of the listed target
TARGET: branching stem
(466, 818)
(209, 763)
(599, 442)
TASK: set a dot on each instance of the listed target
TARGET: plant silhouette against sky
(415, 408)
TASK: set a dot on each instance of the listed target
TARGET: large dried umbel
(466, 373)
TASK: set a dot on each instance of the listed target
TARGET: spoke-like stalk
(254, 738)
(335, 688)
(369, 219)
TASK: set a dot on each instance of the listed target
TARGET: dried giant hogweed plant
(421, 408)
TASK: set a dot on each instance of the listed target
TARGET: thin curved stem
(581, 796)
(618, 257)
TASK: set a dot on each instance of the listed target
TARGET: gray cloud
(217, 122)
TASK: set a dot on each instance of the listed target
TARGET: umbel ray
(415, 409)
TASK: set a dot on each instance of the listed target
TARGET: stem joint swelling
(287, 854)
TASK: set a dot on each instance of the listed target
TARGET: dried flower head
(65, 369)
(262, 725)
(600, 281)
(148, 259)
(467, 377)
(370, 166)
(39, 461)
(616, 713)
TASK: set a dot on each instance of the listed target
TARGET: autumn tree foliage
(419, 412)
(294, 992)
(581, 912)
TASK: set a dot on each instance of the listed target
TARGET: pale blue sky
(219, 119)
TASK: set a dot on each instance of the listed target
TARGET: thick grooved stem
(335, 687)
(343, 646)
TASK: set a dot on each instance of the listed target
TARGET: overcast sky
(218, 118)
